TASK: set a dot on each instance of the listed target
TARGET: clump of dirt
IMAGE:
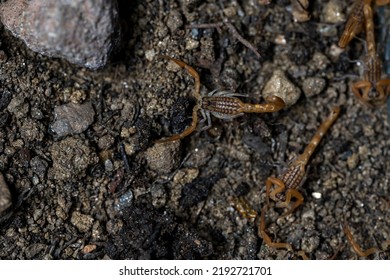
(107, 192)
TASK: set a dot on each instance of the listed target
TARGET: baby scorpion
(221, 104)
(286, 185)
(294, 176)
(372, 91)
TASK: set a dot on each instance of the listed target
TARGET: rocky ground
(86, 180)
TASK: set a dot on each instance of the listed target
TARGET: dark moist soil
(110, 192)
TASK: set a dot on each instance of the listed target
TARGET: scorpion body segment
(226, 107)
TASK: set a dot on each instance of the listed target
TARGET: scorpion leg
(383, 87)
(358, 250)
(266, 238)
(187, 131)
(191, 71)
(365, 87)
(280, 187)
(291, 193)
(196, 108)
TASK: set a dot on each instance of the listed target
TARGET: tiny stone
(71, 158)
(78, 96)
(82, 222)
(280, 40)
(316, 195)
(192, 44)
(309, 214)
(163, 157)
(39, 166)
(335, 52)
(174, 21)
(18, 107)
(5, 195)
(108, 166)
(352, 161)
(313, 86)
(159, 196)
(333, 12)
(299, 10)
(185, 176)
(150, 54)
(124, 201)
(319, 61)
(280, 86)
(3, 57)
(72, 118)
(230, 11)
(105, 142)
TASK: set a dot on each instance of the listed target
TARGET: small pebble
(309, 214)
(333, 12)
(316, 195)
(313, 86)
(280, 86)
(319, 61)
(88, 248)
(163, 157)
(150, 54)
(72, 118)
(71, 158)
(300, 10)
(3, 57)
(105, 142)
(5, 195)
(82, 222)
(124, 201)
(191, 44)
(352, 161)
(159, 195)
(175, 21)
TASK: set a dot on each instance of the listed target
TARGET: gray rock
(85, 32)
(72, 118)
